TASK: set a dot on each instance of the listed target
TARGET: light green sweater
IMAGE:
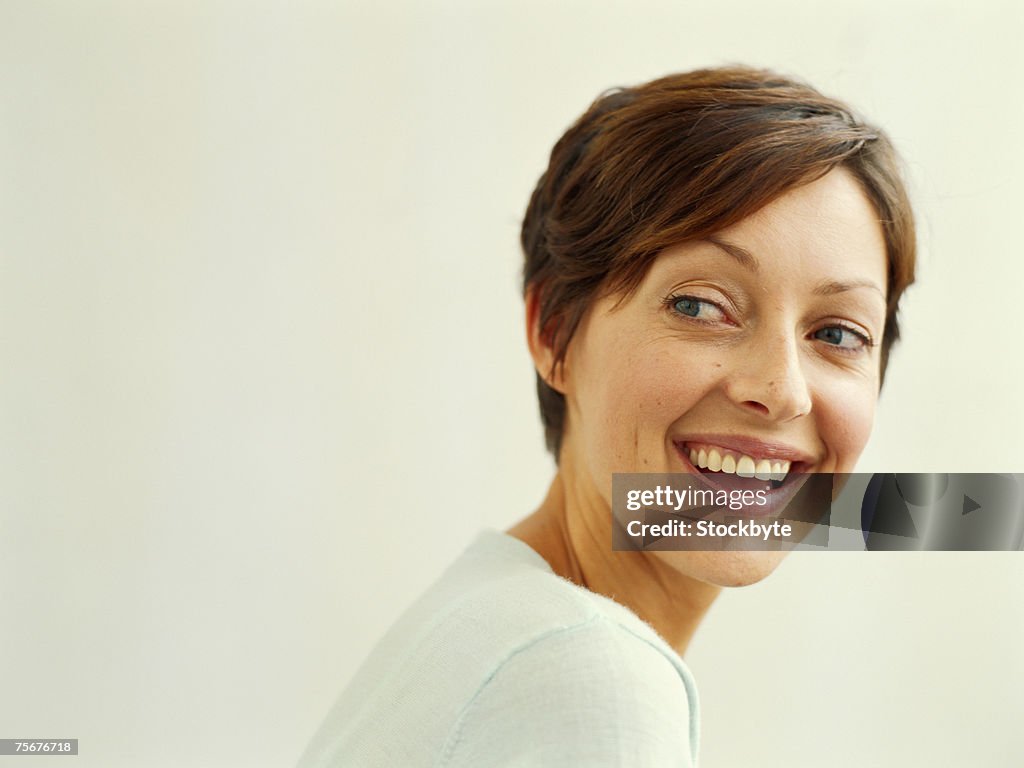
(503, 663)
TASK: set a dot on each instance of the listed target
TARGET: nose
(770, 381)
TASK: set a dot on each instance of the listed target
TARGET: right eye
(697, 309)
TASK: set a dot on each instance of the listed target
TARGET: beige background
(263, 373)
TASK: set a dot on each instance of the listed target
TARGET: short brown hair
(678, 159)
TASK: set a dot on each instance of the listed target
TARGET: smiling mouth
(710, 459)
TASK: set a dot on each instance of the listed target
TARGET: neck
(572, 530)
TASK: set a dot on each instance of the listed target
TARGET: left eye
(844, 338)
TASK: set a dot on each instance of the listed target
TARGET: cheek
(846, 413)
(629, 402)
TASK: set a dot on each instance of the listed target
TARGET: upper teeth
(730, 462)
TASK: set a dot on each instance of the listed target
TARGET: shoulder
(563, 676)
(595, 693)
(521, 613)
(495, 634)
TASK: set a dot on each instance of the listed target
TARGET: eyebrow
(827, 288)
(742, 255)
(831, 287)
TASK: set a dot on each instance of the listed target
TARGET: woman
(714, 262)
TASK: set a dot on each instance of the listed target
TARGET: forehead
(828, 225)
(827, 229)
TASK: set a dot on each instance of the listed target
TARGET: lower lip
(777, 498)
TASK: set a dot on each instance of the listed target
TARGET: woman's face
(758, 345)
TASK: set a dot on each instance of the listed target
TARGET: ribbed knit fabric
(503, 663)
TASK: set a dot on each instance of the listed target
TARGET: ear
(540, 342)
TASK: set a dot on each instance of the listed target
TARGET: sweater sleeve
(590, 695)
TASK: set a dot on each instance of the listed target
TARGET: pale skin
(765, 337)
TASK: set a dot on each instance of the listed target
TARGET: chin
(724, 569)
